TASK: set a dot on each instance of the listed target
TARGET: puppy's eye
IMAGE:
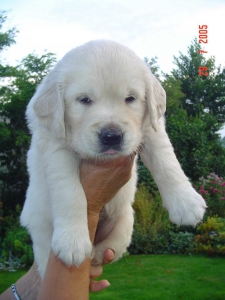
(130, 99)
(86, 101)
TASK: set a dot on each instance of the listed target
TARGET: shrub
(211, 237)
(15, 246)
(151, 226)
(145, 178)
(212, 190)
(182, 242)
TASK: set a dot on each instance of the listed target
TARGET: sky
(161, 28)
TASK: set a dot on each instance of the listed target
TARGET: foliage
(146, 205)
(150, 227)
(174, 94)
(212, 189)
(152, 64)
(17, 86)
(192, 121)
(145, 178)
(15, 243)
(7, 38)
(202, 93)
(195, 113)
(181, 242)
(197, 153)
(211, 237)
(223, 141)
(153, 232)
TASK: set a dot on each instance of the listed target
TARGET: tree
(196, 111)
(191, 127)
(17, 88)
(7, 38)
(202, 93)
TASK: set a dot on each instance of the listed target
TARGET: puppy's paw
(72, 246)
(186, 207)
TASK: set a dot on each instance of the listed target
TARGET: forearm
(63, 282)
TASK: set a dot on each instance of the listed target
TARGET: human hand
(96, 271)
(102, 180)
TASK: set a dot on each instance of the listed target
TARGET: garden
(164, 261)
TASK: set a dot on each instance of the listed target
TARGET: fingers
(95, 271)
(97, 286)
(108, 256)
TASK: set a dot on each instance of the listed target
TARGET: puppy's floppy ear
(156, 100)
(48, 105)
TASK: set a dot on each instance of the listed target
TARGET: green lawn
(158, 277)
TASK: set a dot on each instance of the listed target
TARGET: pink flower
(223, 184)
(215, 190)
(222, 198)
(211, 187)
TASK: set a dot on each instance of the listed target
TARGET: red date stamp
(202, 39)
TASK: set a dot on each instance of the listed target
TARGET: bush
(153, 231)
(15, 242)
(212, 189)
(211, 237)
(182, 242)
(151, 226)
(145, 178)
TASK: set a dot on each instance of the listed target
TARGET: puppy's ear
(48, 105)
(156, 100)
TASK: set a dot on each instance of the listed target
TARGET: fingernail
(111, 256)
(107, 283)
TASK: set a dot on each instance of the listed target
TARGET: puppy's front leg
(184, 204)
(116, 232)
(70, 240)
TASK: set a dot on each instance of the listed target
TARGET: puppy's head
(97, 98)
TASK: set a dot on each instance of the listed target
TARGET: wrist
(28, 286)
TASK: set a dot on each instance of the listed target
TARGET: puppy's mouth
(111, 150)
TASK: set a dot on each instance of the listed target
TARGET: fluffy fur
(83, 96)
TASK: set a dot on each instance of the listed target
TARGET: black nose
(111, 137)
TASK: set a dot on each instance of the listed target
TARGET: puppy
(100, 101)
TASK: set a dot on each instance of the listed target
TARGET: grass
(157, 277)
(8, 278)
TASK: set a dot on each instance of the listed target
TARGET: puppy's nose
(111, 137)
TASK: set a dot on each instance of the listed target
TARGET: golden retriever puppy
(100, 101)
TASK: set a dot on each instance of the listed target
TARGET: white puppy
(100, 101)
